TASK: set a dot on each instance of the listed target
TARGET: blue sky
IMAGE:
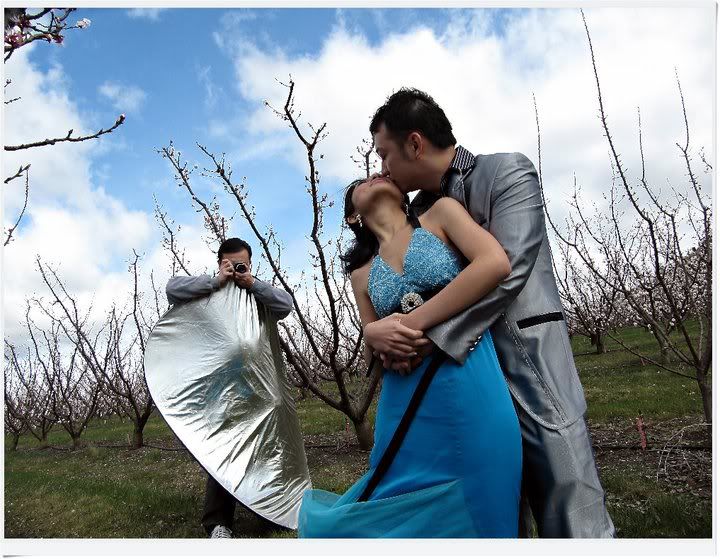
(187, 81)
(172, 59)
(201, 75)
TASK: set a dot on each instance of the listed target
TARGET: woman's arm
(488, 265)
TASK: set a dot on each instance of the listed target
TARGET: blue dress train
(460, 463)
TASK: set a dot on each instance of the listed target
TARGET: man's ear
(415, 145)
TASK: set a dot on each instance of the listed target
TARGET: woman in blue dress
(457, 471)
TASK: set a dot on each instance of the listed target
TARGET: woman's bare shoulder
(439, 215)
(359, 276)
(445, 206)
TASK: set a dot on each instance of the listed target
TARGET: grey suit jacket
(524, 312)
(186, 288)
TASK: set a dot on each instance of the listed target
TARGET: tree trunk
(592, 340)
(706, 395)
(599, 344)
(44, 441)
(664, 354)
(137, 440)
(75, 441)
(15, 440)
(364, 433)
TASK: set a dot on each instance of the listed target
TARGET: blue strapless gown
(461, 461)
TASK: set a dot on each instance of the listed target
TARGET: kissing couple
(480, 421)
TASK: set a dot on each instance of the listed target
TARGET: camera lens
(240, 268)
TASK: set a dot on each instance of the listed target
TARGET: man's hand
(226, 272)
(405, 366)
(245, 280)
(391, 338)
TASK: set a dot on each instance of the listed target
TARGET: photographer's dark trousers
(219, 508)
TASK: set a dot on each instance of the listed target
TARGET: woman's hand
(405, 365)
(391, 338)
(410, 320)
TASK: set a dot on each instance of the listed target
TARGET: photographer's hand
(226, 272)
(245, 280)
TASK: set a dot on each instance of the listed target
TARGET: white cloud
(152, 14)
(71, 222)
(485, 80)
(211, 89)
(44, 111)
(127, 98)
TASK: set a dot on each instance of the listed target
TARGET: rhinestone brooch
(410, 302)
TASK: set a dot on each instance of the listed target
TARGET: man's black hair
(411, 110)
(229, 246)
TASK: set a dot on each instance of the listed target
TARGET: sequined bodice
(429, 264)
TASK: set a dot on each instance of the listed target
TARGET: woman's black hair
(365, 244)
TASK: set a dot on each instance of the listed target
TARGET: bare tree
(661, 263)
(592, 308)
(76, 391)
(67, 138)
(365, 155)
(125, 381)
(33, 395)
(26, 170)
(15, 412)
(22, 28)
(113, 353)
(178, 261)
(323, 339)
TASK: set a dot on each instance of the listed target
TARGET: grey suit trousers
(560, 482)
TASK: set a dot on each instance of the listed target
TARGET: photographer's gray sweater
(185, 288)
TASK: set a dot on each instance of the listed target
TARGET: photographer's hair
(365, 244)
(411, 110)
(229, 246)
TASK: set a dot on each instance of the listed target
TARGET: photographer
(234, 263)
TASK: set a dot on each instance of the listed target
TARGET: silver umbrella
(214, 369)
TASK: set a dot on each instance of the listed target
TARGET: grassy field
(106, 490)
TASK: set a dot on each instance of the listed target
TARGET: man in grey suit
(414, 139)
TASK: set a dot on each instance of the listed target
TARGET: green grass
(641, 508)
(617, 385)
(99, 492)
(318, 418)
(102, 493)
(113, 430)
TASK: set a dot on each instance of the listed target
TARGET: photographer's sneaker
(221, 531)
